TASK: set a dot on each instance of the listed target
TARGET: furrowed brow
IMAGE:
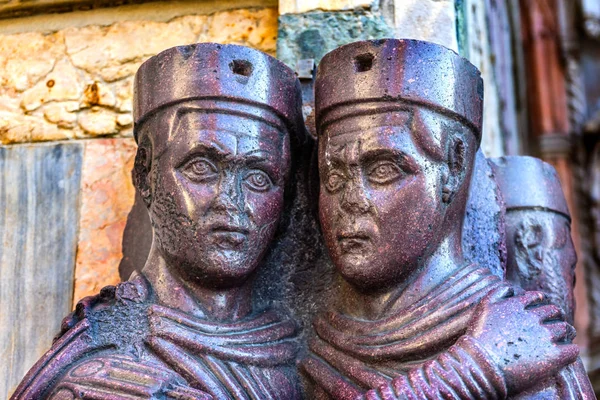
(370, 155)
(211, 150)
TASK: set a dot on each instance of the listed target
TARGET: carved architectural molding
(24, 8)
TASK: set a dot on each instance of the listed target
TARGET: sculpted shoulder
(122, 305)
(114, 321)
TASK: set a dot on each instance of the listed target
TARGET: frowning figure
(215, 125)
(399, 124)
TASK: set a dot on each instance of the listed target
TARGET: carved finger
(139, 370)
(102, 388)
(548, 313)
(568, 353)
(533, 299)
(72, 390)
(121, 374)
(561, 332)
(384, 392)
(500, 293)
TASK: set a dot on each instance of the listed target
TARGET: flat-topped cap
(220, 73)
(529, 183)
(398, 71)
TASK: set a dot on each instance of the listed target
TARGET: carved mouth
(355, 242)
(228, 237)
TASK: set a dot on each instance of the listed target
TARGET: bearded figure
(215, 125)
(541, 254)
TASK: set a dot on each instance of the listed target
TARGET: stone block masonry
(107, 195)
(77, 82)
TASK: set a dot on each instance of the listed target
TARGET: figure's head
(214, 156)
(541, 255)
(540, 251)
(397, 142)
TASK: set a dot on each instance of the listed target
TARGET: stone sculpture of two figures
(223, 158)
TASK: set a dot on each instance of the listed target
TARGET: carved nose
(354, 200)
(229, 196)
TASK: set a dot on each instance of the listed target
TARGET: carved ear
(141, 173)
(453, 178)
(529, 249)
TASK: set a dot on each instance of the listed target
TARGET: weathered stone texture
(107, 195)
(430, 20)
(77, 82)
(300, 6)
(314, 34)
(19, 8)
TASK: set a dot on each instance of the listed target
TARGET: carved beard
(554, 283)
(179, 239)
(171, 227)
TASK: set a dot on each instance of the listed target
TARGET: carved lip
(228, 236)
(226, 227)
(351, 242)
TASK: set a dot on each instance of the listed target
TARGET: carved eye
(258, 180)
(335, 181)
(200, 170)
(384, 172)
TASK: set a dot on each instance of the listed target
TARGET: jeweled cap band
(211, 71)
(529, 183)
(361, 76)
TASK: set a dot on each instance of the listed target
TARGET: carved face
(218, 195)
(543, 257)
(380, 202)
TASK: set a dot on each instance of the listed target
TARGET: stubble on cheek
(174, 231)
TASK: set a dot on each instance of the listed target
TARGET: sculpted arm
(122, 378)
(497, 357)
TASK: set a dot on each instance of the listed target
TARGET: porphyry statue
(215, 127)
(399, 124)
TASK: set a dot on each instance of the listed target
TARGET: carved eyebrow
(264, 160)
(255, 159)
(370, 155)
(406, 160)
(256, 156)
(211, 150)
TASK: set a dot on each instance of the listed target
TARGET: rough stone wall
(19, 8)
(77, 83)
(107, 195)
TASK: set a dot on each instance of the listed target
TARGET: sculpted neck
(445, 260)
(172, 290)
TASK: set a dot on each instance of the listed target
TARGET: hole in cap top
(241, 67)
(363, 62)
